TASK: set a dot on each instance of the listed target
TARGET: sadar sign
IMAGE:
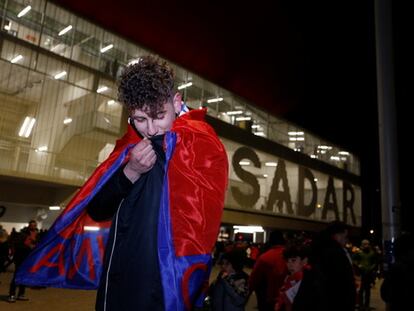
(279, 194)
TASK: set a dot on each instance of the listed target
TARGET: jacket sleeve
(105, 203)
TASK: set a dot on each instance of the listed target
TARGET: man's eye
(139, 120)
(160, 115)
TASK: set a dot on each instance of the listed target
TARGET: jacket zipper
(112, 253)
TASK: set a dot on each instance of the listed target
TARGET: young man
(230, 290)
(303, 288)
(23, 245)
(335, 264)
(269, 272)
(163, 188)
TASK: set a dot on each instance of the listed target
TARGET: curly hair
(147, 84)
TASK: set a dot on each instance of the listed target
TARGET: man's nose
(152, 128)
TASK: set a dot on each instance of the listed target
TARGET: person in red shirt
(269, 273)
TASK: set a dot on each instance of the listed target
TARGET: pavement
(56, 299)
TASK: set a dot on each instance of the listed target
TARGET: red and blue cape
(192, 201)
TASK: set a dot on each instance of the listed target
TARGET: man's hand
(142, 159)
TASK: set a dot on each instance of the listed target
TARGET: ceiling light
(102, 89)
(133, 61)
(334, 158)
(27, 127)
(244, 163)
(343, 153)
(24, 11)
(65, 30)
(215, 100)
(60, 75)
(54, 208)
(16, 59)
(111, 102)
(243, 118)
(248, 229)
(232, 113)
(324, 147)
(185, 85)
(259, 134)
(295, 133)
(67, 120)
(107, 48)
(42, 149)
(271, 164)
(8, 25)
(255, 126)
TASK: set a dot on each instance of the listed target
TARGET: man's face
(32, 225)
(341, 237)
(148, 126)
(296, 264)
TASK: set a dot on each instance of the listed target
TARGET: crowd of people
(324, 271)
(288, 273)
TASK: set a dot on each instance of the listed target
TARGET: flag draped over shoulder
(71, 253)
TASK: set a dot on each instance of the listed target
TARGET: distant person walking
(366, 261)
(269, 273)
(334, 262)
(23, 244)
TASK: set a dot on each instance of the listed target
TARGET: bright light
(67, 120)
(232, 113)
(133, 61)
(343, 153)
(313, 156)
(102, 89)
(315, 179)
(185, 85)
(259, 134)
(215, 100)
(111, 102)
(265, 175)
(271, 164)
(42, 149)
(324, 147)
(24, 11)
(60, 75)
(16, 59)
(334, 158)
(8, 26)
(244, 163)
(243, 118)
(256, 126)
(54, 208)
(91, 228)
(65, 30)
(295, 133)
(371, 231)
(27, 127)
(107, 48)
(248, 229)
(296, 138)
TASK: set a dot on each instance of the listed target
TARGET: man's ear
(177, 100)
